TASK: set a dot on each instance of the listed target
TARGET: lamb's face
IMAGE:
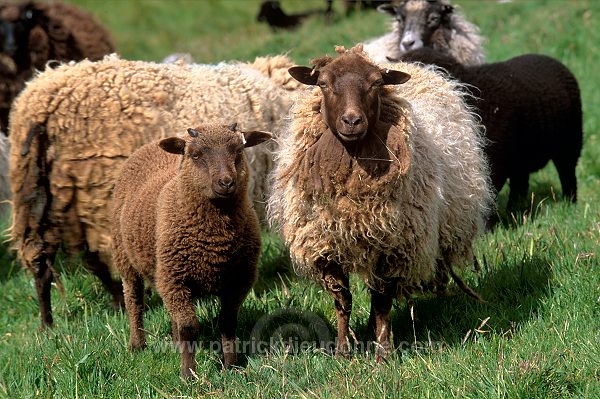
(418, 21)
(213, 159)
(217, 166)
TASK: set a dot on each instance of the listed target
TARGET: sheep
(272, 13)
(74, 126)
(381, 180)
(427, 23)
(33, 33)
(182, 219)
(530, 106)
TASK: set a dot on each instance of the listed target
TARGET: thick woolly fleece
(460, 38)
(426, 202)
(73, 127)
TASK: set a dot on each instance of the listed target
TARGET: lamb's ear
(255, 137)
(392, 77)
(305, 75)
(174, 145)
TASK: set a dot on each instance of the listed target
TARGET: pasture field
(538, 335)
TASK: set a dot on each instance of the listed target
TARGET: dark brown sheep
(182, 219)
(33, 33)
(530, 106)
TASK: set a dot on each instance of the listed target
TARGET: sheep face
(15, 25)
(351, 88)
(213, 158)
(419, 21)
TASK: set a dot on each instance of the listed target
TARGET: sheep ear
(305, 75)
(392, 77)
(174, 145)
(447, 9)
(387, 9)
(255, 137)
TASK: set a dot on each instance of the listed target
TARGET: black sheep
(530, 106)
(272, 13)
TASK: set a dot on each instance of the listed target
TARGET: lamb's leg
(228, 318)
(180, 305)
(381, 306)
(102, 271)
(338, 285)
(133, 289)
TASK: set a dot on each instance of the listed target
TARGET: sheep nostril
(408, 44)
(351, 120)
(227, 183)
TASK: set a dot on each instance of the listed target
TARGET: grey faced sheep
(33, 33)
(74, 126)
(182, 219)
(530, 107)
(382, 180)
(427, 23)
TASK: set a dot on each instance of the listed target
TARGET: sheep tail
(463, 286)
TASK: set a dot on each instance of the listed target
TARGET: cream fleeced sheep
(422, 23)
(400, 206)
(73, 127)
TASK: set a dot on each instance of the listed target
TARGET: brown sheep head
(351, 88)
(213, 158)
(420, 22)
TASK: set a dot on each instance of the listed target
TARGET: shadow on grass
(513, 294)
(540, 194)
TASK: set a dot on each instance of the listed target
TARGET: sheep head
(351, 88)
(16, 22)
(213, 158)
(419, 20)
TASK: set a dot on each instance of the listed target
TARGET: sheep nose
(408, 44)
(351, 120)
(227, 183)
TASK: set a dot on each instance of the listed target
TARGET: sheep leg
(381, 306)
(519, 185)
(228, 318)
(102, 271)
(566, 174)
(43, 283)
(133, 288)
(337, 284)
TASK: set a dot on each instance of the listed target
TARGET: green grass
(538, 335)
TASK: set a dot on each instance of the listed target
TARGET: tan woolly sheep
(427, 23)
(382, 180)
(73, 127)
(184, 222)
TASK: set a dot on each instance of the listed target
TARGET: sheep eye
(433, 20)
(322, 84)
(377, 83)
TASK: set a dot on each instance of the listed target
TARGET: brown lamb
(183, 220)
